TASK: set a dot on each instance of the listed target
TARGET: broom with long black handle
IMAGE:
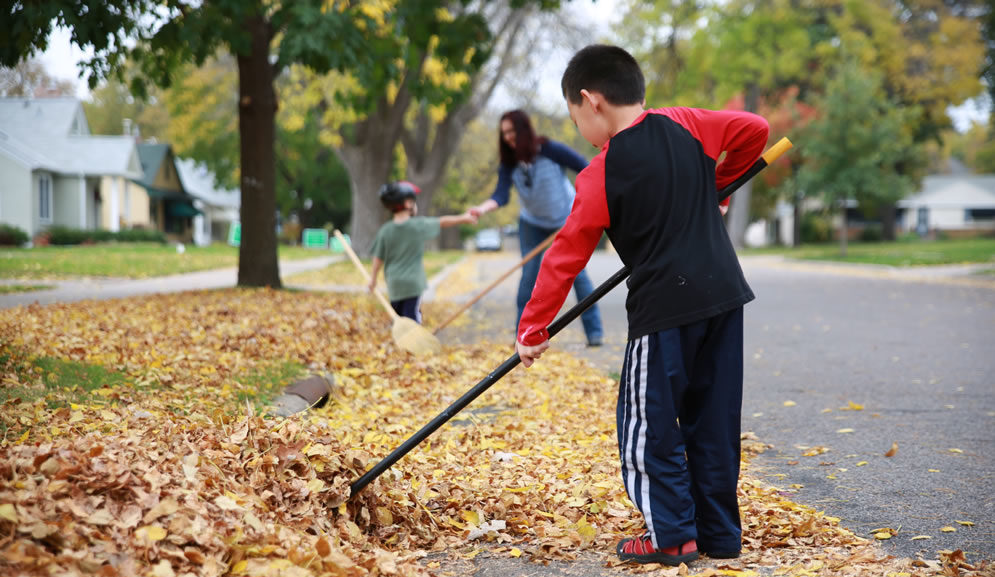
(768, 157)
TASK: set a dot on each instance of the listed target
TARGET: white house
(219, 207)
(956, 204)
(51, 167)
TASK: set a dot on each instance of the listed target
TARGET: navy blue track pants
(410, 308)
(679, 408)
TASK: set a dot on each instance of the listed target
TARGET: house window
(979, 214)
(44, 199)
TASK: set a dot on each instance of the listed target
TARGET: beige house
(158, 198)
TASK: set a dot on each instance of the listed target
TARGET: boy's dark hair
(609, 70)
(527, 142)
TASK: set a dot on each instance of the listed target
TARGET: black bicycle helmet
(393, 194)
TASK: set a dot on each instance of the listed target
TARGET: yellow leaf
(852, 406)
(882, 535)
(315, 485)
(948, 529)
(789, 403)
(470, 517)
(384, 516)
(845, 431)
(965, 523)
(151, 533)
(7, 512)
(920, 537)
(862, 463)
(515, 552)
(933, 470)
(955, 450)
(240, 567)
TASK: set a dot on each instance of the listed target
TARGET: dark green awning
(182, 209)
(163, 194)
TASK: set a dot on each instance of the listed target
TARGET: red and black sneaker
(641, 550)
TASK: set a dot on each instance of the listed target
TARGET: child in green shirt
(400, 245)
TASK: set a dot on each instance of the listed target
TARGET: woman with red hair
(535, 165)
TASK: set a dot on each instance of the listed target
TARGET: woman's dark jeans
(531, 236)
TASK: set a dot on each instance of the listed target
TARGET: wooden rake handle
(366, 275)
(531, 255)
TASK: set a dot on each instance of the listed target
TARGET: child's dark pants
(410, 308)
(679, 407)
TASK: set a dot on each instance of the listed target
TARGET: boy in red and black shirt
(653, 188)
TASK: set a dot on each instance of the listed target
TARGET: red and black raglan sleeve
(741, 135)
(569, 253)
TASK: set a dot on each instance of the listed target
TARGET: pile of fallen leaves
(172, 475)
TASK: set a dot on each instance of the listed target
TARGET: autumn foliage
(179, 471)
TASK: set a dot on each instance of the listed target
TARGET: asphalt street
(842, 362)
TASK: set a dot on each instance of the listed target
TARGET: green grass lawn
(127, 260)
(6, 289)
(899, 253)
(62, 382)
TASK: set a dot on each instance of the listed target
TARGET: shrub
(872, 233)
(140, 235)
(10, 235)
(815, 228)
(61, 235)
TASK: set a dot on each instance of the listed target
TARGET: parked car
(488, 239)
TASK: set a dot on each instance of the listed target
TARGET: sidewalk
(972, 274)
(110, 288)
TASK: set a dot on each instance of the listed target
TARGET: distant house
(955, 204)
(53, 171)
(219, 207)
(162, 199)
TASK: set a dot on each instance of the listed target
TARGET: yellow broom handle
(366, 275)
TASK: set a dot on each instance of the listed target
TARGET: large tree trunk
(368, 155)
(739, 207)
(843, 229)
(257, 255)
(887, 216)
(796, 222)
(369, 169)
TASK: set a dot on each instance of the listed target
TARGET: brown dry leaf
(892, 451)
